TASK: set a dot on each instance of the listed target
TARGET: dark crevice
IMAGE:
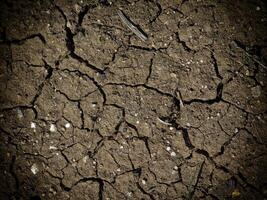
(196, 177)
(141, 85)
(186, 138)
(217, 99)
(86, 62)
(183, 43)
(94, 179)
(22, 41)
(104, 2)
(158, 12)
(63, 187)
(81, 113)
(225, 144)
(82, 14)
(223, 168)
(204, 153)
(215, 64)
(150, 70)
(144, 192)
(99, 87)
(142, 48)
(183, 2)
(49, 70)
(69, 40)
(71, 45)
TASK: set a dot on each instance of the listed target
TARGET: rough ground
(90, 111)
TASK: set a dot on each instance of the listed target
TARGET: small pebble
(67, 125)
(94, 105)
(52, 128)
(168, 148)
(34, 169)
(129, 194)
(143, 182)
(52, 147)
(33, 125)
(85, 158)
(258, 8)
(173, 154)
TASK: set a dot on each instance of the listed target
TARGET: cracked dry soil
(90, 111)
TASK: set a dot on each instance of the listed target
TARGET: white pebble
(188, 124)
(118, 170)
(171, 128)
(34, 169)
(94, 105)
(175, 167)
(258, 8)
(137, 122)
(52, 147)
(168, 148)
(121, 147)
(173, 154)
(53, 128)
(236, 130)
(143, 182)
(67, 125)
(33, 125)
(129, 194)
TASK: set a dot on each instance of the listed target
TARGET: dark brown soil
(90, 111)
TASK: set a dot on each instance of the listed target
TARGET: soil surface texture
(89, 111)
